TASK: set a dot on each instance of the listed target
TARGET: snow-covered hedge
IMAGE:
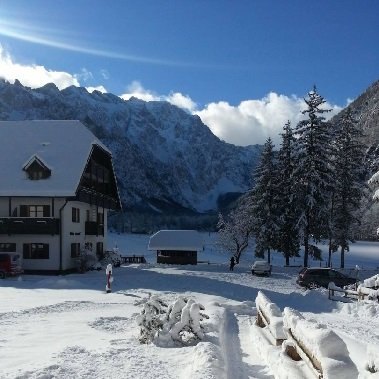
(113, 257)
(150, 320)
(322, 344)
(183, 322)
(86, 260)
(273, 313)
(178, 324)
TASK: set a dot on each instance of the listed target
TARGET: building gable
(36, 168)
(98, 182)
(57, 152)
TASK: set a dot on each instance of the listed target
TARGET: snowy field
(68, 327)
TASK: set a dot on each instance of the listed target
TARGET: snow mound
(206, 362)
(362, 309)
(371, 282)
(323, 344)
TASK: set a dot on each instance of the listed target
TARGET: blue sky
(232, 62)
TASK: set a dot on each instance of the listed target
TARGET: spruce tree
(288, 235)
(262, 202)
(349, 181)
(312, 174)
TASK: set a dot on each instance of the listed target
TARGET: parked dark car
(320, 277)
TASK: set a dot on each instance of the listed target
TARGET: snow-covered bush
(188, 328)
(179, 324)
(174, 311)
(151, 319)
(86, 260)
(113, 257)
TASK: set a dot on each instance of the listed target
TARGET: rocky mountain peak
(164, 157)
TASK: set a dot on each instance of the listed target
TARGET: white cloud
(136, 89)
(181, 101)
(253, 121)
(84, 75)
(105, 74)
(250, 122)
(101, 89)
(33, 75)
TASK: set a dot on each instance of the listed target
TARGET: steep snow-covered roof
(185, 240)
(63, 146)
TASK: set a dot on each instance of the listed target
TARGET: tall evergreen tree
(312, 173)
(288, 235)
(262, 202)
(349, 181)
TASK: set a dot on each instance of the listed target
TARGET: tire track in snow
(241, 359)
(230, 347)
(252, 362)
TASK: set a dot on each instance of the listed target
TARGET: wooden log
(263, 320)
(306, 355)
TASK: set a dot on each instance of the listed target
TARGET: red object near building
(108, 273)
(10, 264)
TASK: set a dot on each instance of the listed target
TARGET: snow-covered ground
(68, 327)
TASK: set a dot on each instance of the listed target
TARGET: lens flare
(35, 35)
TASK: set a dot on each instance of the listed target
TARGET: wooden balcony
(29, 225)
(92, 228)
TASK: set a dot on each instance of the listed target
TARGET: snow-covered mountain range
(165, 158)
(366, 110)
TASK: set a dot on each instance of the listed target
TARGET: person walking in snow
(232, 264)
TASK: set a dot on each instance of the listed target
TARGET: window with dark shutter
(24, 211)
(46, 211)
(99, 249)
(35, 211)
(75, 250)
(75, 215)
(36, 251)
(8, 247)
(100, 218)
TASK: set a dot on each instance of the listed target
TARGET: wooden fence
(133, 259)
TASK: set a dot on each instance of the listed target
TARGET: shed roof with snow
(178, 240)
(63, 147)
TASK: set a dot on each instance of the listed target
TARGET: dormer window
(37, 169)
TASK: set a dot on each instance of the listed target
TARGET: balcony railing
(92, 228)
(29, 225)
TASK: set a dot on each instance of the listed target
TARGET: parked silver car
(261, 268)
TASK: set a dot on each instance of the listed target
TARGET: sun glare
(38, 36)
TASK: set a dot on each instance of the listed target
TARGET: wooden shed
(176, 246)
